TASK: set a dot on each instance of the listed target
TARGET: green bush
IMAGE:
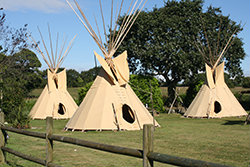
(20, 118)
(141, 86)
(192, 90)
(244, 100)
(246, 82)
(83, 91)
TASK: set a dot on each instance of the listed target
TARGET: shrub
(141, 86)
(83, 91)
(192, 90)
(246, 82)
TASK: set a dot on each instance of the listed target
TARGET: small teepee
(111, 104)
(214, 100)
(54, 101)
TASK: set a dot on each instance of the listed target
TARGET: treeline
(74, 78)
(80, 79)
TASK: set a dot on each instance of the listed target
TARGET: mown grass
(223, 141)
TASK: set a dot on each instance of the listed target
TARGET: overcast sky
(62, 20)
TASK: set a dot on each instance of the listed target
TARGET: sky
(62, 20)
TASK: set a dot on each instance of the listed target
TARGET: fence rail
(28, 157)
(146, 153)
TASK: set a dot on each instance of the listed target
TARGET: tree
(18, 72)
(161, 42)
(246, 82)
(72, 78)
(19, 77)
(90, 75)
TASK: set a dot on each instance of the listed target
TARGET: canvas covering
(110, 103)
(215, 100)
(54, 98)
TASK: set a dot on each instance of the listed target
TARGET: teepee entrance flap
(219, 74)
(210, 77)
(121, 65)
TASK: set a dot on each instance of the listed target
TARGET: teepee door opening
(217, 107)
(128, 114)
(61, 109)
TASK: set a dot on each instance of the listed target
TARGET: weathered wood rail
(146, 153)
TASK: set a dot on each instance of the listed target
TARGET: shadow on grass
(230, 122)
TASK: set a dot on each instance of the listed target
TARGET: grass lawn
(225, 141)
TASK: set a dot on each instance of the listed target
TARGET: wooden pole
(49, 142)
(148, 130)
(2, 139)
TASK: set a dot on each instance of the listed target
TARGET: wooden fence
(146, 154)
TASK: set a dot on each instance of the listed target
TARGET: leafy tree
(19, 77)
(229, 81)
(161, 42)
(246, 82)
(43, 75)
(90, 75)
(192, 91)
(11, 39)
(18, 72)
(72, 78)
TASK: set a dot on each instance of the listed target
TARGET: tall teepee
(214, 100)
(54, 101)
(111, 104)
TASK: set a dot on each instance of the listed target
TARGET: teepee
(54, 101)
(214, 100)
(111, 104)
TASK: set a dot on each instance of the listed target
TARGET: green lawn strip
(223, 141)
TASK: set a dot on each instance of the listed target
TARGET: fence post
(148, 130)
(49, 142)
(2, 139)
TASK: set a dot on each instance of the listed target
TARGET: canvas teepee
(111, 104)
(54, 101)
(214, 100)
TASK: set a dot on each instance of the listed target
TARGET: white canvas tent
(111, 104)
(214, 100)
(54, 101)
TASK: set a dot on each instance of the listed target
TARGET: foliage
(143, 86)
(246, 82)
(230, 82)
(21, 117)
(244, 100)
(192, 91)
(161, 42)
(12, 40)
(72, 78)
(18, 72)
(19, 76)
(83, 91)
(89, 75)
(76, 79)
